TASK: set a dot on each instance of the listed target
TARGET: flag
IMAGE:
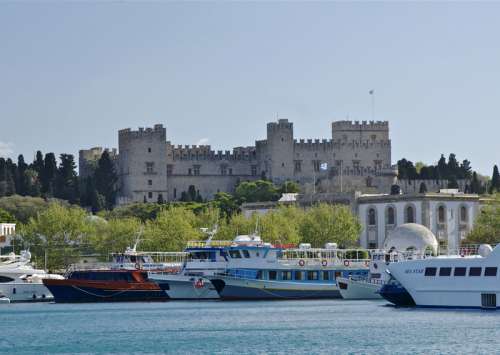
(323, 166)
(371, 92)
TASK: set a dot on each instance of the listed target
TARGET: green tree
(106, 179)
(226, 203)
(33, 186)
(59, 231)
(423, 188)
(67, 179)
(487, 226)
(256, 191)
(330, 223)
(6, 217)
(495, 181)
(21, 181)
(7, 184)
(289, 187)
(115, 235)
(49, 174)
(475, 185)
(281, 226)
(171, 230)
(142, 211)
(38, 163)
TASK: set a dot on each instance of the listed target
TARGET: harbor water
(215, 327)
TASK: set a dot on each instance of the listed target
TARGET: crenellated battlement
(158, 131)
(360, 126)
(204, 152)
(282, 124)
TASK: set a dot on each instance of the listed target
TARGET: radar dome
(411, 236)
(485, 250)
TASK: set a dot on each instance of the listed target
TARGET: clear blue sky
(72, 74)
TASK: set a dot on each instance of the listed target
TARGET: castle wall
(87, 160)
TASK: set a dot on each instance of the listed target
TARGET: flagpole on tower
(372, 94)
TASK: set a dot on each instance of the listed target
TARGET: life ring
(302, 262)
(346, 262)
(137, 266)
(324, 262)
(367, 263)
(462, 253)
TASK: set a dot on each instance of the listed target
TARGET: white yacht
(448, 281)
(3, 299)
(20, 282)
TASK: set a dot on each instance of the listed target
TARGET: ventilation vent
(488, 300)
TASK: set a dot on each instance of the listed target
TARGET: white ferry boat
(265, 272)
(448, 281)
(20, 282)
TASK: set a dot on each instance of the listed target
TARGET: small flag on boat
(371, 92)
(323, 166)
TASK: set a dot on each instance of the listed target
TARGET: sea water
(216, 327)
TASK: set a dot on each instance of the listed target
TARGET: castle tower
(278, 158)
(143, 164)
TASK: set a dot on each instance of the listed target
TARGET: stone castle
(357, 157)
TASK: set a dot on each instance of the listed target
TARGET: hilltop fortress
(357, 157)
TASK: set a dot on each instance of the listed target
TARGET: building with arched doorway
(448, 214)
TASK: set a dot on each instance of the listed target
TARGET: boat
(204, 258)
(125, 279)
(454, 281)
(365, 288)
(20, 281)
(3, 298)
(262, 271)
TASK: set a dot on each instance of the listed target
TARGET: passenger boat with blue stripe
(123, 280)
(265, 272)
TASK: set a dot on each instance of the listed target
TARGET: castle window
(223, 169)
(150, 194)
(170, 169)
(190, 171)
(175, 193)
(441, 214)
(150, 167)
(373, 137)
(297, 166)
(355, 167)
(390, 216)
(149, 150)
(230, 171)
(463, 214)
(316, 164)
(410, 214)
(372, 217)
(254, 170)
(196, 169)
(377, 164)
(150, 182)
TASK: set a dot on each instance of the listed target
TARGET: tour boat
(20, 281)
(124, 279)
(265, 272)
(448, 281)
(363, 288)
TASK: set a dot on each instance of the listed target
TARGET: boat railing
(324, 257)
(207, 244)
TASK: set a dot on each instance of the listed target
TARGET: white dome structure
(411, 236)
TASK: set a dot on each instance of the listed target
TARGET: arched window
(390, 215)
(410, 215)
(441, 214)
(463, 214)
(371, 217)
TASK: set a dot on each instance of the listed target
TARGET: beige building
(7, 231)
(450, 215)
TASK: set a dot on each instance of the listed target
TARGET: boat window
(246, 254)
(5, 279)
(259, 275)
(299, 275)
(475, 271)
(326, 275)
(460, 271)
(272, 275)
(430, 271)
(235, 254)
(286, 275)
(444, 271)
(337, 274)
(490, 271)
(312, 275)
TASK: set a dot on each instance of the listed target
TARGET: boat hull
(358, 289)
(397, 295)
(182, 287)
(70, 291)
(26, 292)
(241, 289)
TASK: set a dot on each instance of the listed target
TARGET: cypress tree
(475, 185)
(423, 188)
(105, 178)
(38, 164)
(3, 177)
(21, 181)
(49, 174)
(67, 179)
(495, 180)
